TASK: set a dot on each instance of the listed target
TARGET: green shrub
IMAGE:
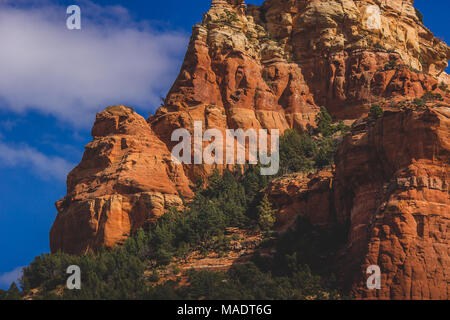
(376, 112)
(176, 270)
(304, 153)
(429, 96)
(13, 293)
(378, 46)
(325, 123)
(293, 152)
(391, 65)
(420, 103)
(419, 15)
(155, 277)
(325, 155)
(164, 257)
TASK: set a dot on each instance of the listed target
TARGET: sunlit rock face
(125, 179)
(340, 50)
(271, 67)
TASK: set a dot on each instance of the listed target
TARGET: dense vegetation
(13, 293)
(286, 276)
(313, 150)
(298, 270)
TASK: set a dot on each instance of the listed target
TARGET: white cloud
(46, 167)
(9, 277)
(72, 74)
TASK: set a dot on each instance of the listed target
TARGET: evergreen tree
(292, 156)
(3, 294)
(325, 123)
(376, 112)
(183, 251)
(266, 215)
(13, 292)
(325, 155)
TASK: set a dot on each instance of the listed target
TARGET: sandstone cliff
(270, 67)
(340, 54)
(125, 179)
(390, 187)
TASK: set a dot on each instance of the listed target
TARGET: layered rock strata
(271, 67)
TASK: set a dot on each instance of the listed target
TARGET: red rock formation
(391, 186)
(125, 179)
(234, 76)
(303, 195)
(270, 67)
(340, 55)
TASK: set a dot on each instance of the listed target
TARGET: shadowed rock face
(271, 67)
(392, 185)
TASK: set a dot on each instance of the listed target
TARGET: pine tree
(266, 215)
(325, 123)
(183, 251)
(13, 293)
(376, 112)
(293, 151)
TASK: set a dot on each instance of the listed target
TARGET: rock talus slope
(271, 67)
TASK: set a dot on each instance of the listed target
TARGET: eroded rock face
(235, 76)
(342, 55)
(303, 195)
(125, 179)
(391, 188)
(392, 184)
(271, 67)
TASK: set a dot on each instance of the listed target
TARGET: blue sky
(45, 123)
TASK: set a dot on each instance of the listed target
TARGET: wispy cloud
(9, 277)
(44, 166)
(71, 74)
